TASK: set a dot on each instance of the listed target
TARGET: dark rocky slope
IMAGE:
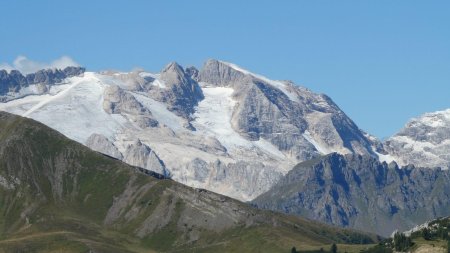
(360, 192)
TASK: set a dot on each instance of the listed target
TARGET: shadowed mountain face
(56, 194)
(360, 192)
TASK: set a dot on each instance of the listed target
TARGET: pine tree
(333, 248)
(408, 243)
(398, 241)
(443, 233)
(401, 242)
(426, 234)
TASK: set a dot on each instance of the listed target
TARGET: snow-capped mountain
(222, 128)
(424, 141)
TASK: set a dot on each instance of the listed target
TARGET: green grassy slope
(58, 196)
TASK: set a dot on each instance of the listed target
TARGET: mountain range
(59, 196)
(220, 128)
(233, 132)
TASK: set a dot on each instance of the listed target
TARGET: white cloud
(26, 66)
(6, 67)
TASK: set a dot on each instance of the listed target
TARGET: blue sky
(382, 62)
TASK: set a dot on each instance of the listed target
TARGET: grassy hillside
(58, 196)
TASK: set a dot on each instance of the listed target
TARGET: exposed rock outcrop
(118, 101)
(247, 179)
(220, 74)
(103, 145)
(141, 155)
(193, 73)
(181, 93)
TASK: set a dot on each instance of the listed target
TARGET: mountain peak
(173, 67)
(183, 93)
(220, 73)
(173, 73)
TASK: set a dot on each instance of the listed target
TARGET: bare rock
(141, 155)
(181, 92)
(100, 143)
(118, 101)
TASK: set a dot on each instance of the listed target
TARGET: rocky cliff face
(140, 155)
(100, 143)
(360, 192)
(117, 101)
(292, 118)
(13, 82)
(221, 74)
(180, 92)
(424, 141)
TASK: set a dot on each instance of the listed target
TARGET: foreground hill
(57, 195)
(361, 192)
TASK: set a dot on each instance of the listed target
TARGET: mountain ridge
(37, 83)
(355, 191)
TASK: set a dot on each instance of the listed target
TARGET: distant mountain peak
(424, 141)
(173, 66)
